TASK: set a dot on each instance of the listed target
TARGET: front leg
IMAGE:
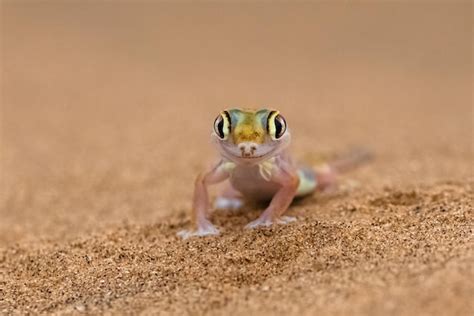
(288, 178)
(201, 225)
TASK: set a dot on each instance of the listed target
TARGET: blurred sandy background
(106, 112)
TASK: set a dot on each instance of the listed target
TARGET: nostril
(247, 149)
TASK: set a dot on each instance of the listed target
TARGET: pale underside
(253, 181)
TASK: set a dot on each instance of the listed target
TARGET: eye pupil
(278, 128)
(220, 127)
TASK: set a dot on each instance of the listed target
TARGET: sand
(106, 111)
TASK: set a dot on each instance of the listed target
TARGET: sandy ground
(106, 115)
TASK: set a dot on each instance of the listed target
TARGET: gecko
(256, 163)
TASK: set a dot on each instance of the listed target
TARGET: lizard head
(250, 136)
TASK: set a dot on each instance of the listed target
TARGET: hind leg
(320, 178)
(229, 199)
(326, 178)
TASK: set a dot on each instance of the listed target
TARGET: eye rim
(276, 130)
(222, 125)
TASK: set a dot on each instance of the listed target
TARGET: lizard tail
(324, 174)
(351, 160)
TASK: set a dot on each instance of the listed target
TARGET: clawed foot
(224, 203)
(263, 221)
(204, 229)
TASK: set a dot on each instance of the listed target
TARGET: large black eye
(276, 125)
(222, 125)
(280, 126)
(219, 126)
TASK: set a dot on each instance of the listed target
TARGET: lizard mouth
(233, 156)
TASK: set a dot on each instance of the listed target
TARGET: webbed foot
(264, 221)
(204, 229)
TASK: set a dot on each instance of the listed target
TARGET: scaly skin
(254, 158)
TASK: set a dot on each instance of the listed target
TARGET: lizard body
(253, 145)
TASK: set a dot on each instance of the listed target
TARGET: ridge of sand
(413, 254)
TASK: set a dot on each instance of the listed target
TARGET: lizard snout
(247, 149)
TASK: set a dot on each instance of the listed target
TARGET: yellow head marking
(249, 127)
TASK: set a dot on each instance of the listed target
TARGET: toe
(265, 222)
(286, 220)
(259, 222)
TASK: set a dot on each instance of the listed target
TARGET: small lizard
(253, 145)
